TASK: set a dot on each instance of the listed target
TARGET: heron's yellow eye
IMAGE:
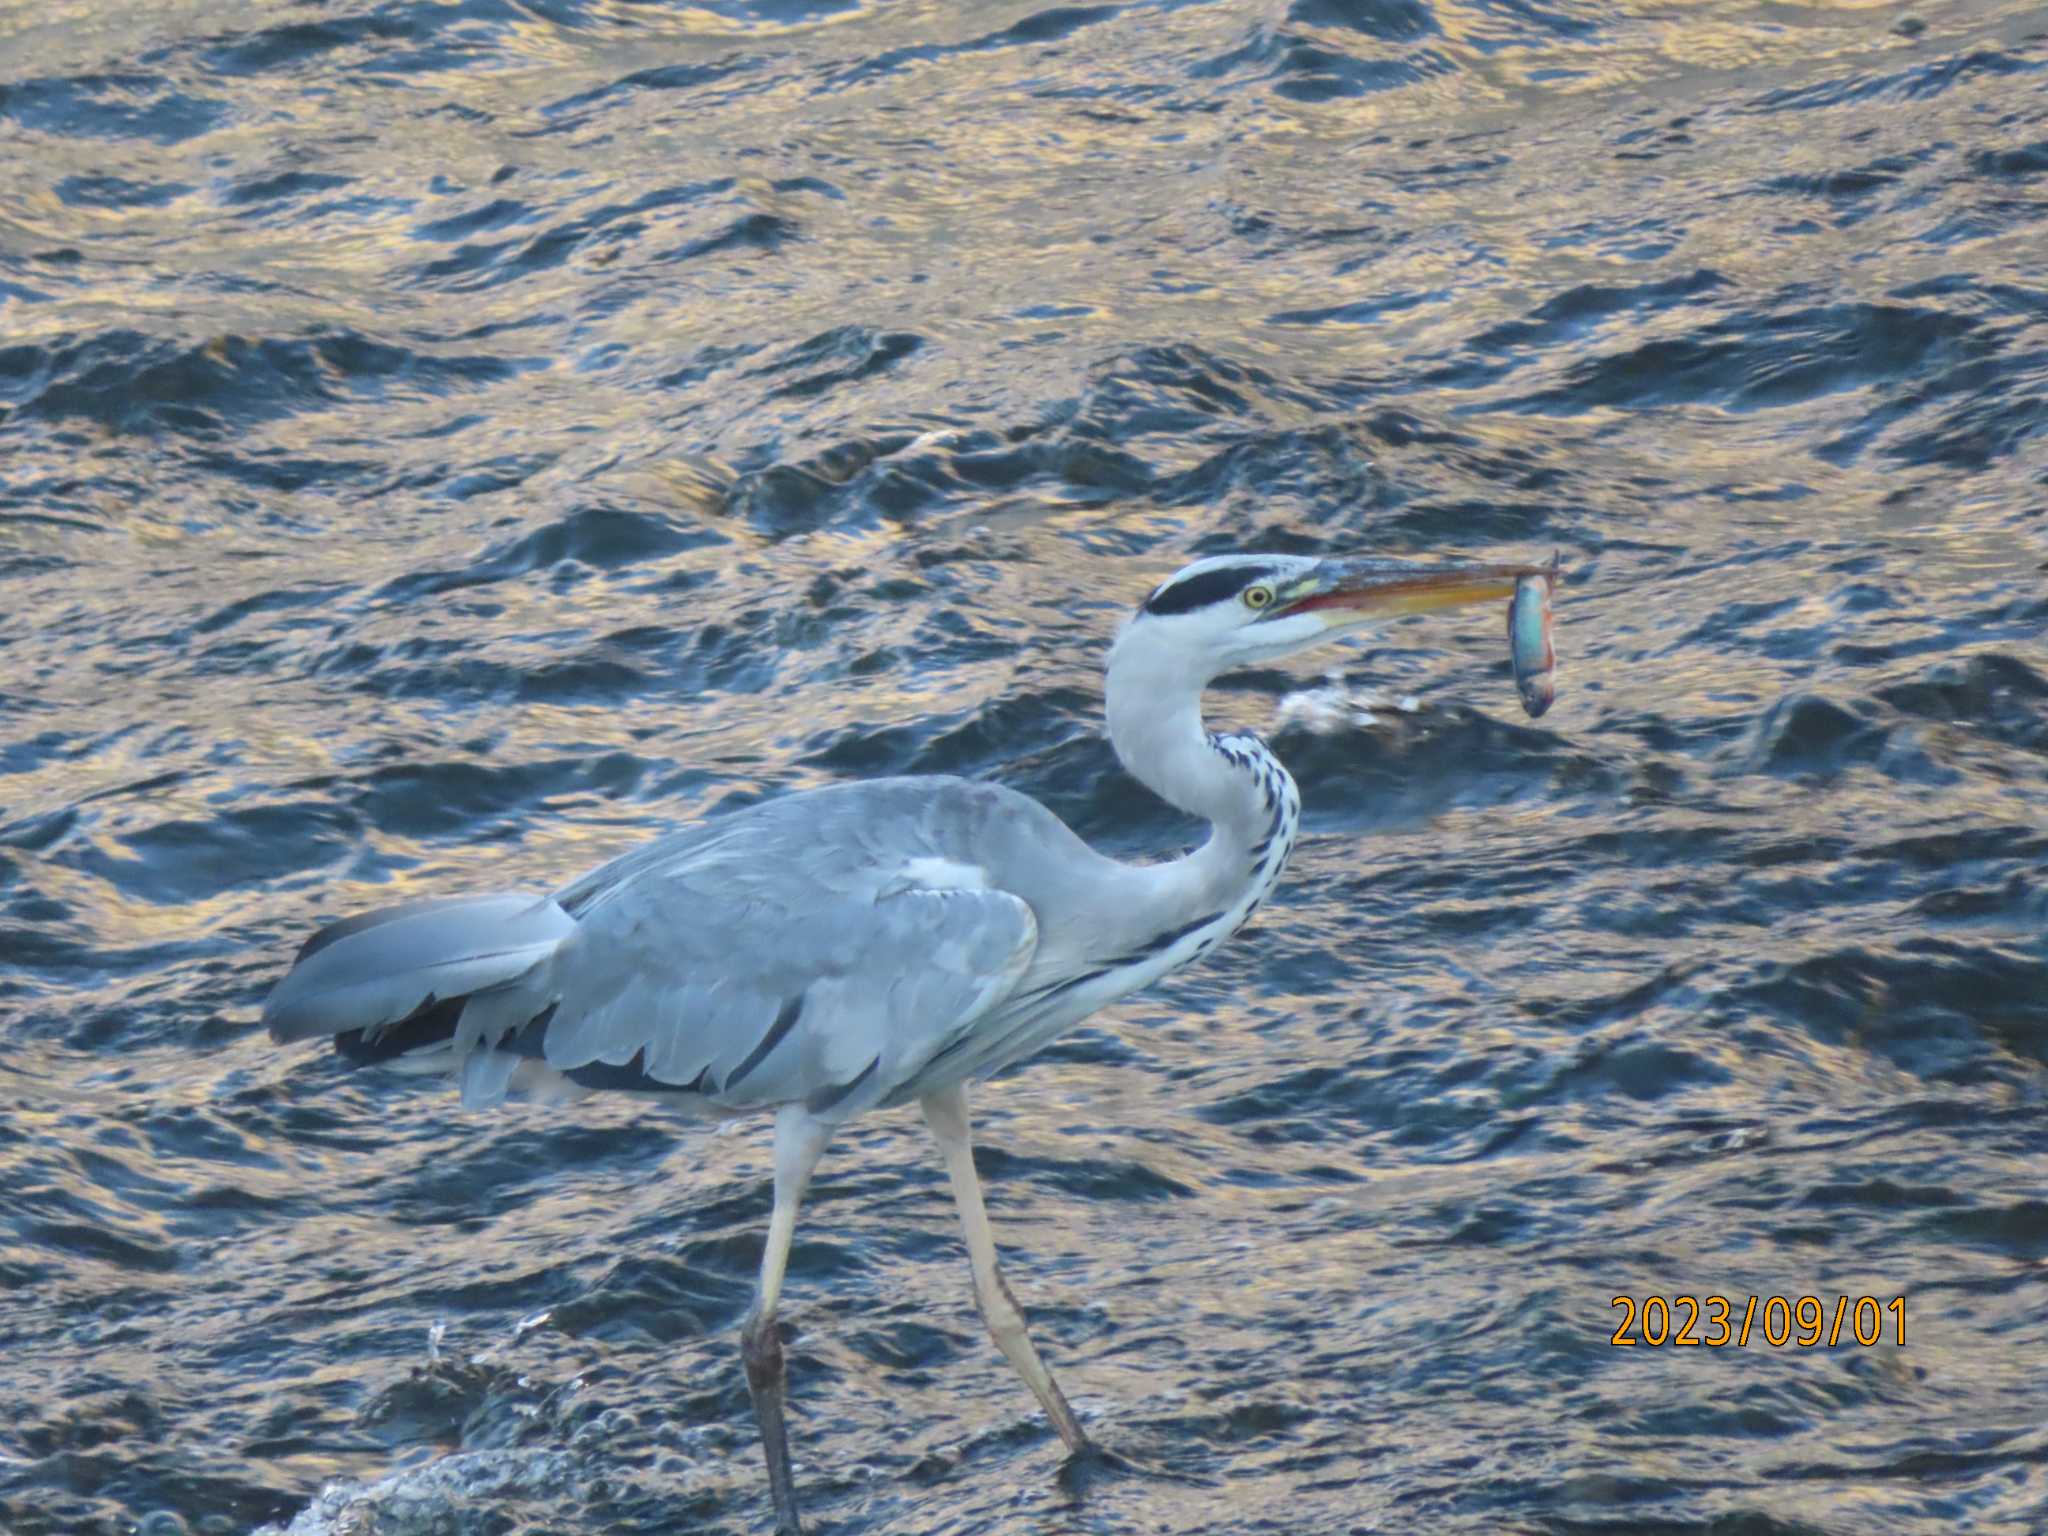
(1258, 597)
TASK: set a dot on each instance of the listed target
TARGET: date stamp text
(1803, 1322)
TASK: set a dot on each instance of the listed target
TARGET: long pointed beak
(1389, 588)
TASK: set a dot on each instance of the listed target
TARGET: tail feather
(365, 973)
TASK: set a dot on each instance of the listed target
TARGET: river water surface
(443, 444)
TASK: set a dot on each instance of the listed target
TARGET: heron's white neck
(1160, 739)
(1154, 705)
(1149, 919)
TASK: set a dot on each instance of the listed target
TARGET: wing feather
(854, 993)
(821, 948)
(767, 964)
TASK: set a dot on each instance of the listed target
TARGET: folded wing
(700, 969)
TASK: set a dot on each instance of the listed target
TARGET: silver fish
(1529, 646)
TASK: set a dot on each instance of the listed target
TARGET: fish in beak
(1354, 591)
(1529, 647)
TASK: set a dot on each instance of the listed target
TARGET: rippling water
(442, 444)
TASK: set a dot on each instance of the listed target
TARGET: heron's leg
(799, 1140)
(946, 1111)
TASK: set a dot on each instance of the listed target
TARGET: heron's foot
(761, 1353)
(1098, 1465)
(1094, 1465)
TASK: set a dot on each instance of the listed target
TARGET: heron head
(1239, 610)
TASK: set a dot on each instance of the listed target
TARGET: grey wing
(819, 949)
(764, 990)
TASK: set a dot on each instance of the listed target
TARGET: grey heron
(865, 945)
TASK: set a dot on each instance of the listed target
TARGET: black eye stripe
(1207, 587)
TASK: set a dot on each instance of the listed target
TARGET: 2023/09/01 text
(1804, 1322)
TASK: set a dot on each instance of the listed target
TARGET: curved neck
(1160, 739)
(1154, 705)
(1144, 920)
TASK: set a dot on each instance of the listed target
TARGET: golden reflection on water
(1126, 255)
